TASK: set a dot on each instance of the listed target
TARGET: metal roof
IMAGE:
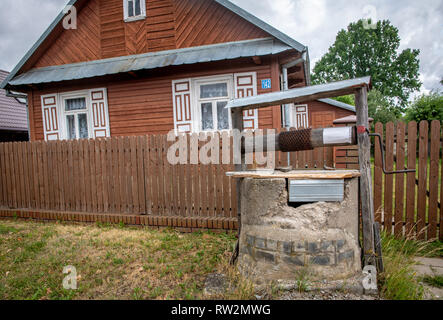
(304, 94)
(153, 60)
(227, 4)
(13, 114)
(263, 25)
(338, 104)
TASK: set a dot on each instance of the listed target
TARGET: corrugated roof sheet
(146, 61)
(13, 114)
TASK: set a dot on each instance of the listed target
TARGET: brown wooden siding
(169, 24)
(81, 44)
(200, 22)
(145, 105)
(315, 108)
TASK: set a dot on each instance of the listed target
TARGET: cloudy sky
(314, 23)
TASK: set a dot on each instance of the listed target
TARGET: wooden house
(132, 67)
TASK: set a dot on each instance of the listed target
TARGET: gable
(170, 24)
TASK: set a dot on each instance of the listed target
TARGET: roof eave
(225, 3)
(262, 25)
(36, 45)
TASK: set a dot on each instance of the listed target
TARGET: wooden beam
(297, 175)
(237, 124)
(275, 76)
(257, 60)
(364, 155)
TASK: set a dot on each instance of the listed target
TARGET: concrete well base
(281, 242)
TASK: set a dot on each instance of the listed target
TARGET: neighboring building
(13, 116)
(148, 66)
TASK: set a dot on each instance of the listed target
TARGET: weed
(398, 281)
(302, 277)
(435, 281)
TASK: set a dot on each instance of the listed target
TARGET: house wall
(323, 114)
(170, 24)
(144, 105)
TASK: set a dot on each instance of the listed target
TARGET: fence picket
(422, 180)
(399, 179)
(433, 179)
(378, 176)
(411, 187)
(389, 179)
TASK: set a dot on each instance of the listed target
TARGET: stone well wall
(278, 240)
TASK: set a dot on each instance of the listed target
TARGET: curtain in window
(75, 104)
(214, 90)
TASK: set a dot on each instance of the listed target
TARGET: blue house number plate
(266, 84)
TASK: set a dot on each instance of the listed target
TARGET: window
(76, 118)
(134, 10)
(212, 99)
(199, 103)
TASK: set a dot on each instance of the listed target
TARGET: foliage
(399, 280)
(426, 107)
(359, 52)
(379, 108)
(435, 281)
(349, 99)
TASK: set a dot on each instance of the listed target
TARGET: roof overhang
(299, 95)
(225, 3)
(338, 104)
(149, 61)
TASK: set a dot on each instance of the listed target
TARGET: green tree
(379, 107)
(359, 51)
(349, 99)
(426, 107)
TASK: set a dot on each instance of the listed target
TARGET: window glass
(222, 115)
(83, 126)
(75, 104)
(214, 90)
(70, 121)
(207, 120)
(130, 8)
(138, 10)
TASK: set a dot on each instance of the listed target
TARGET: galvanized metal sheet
(297, 95)
(232, 50)
(316, 190)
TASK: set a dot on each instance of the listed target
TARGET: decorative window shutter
(181, 91)
(51, 121)
(300, 115)
(245, 85)
(99, 113)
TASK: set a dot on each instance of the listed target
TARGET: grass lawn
(112, 262)
(119, 262)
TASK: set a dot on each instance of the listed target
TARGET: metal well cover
(316, 190)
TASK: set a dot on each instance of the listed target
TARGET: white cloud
(314, 23)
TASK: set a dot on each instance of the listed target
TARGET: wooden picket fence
(125, 176)
(409, 204)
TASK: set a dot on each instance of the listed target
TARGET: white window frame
(196, 83)
(142, 15)
(63, 113)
